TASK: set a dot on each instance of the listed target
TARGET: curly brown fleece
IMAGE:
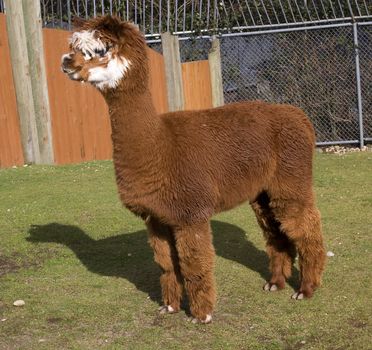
(178, 169)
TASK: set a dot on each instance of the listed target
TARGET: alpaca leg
(196, 255)
(301, 223)
(162, 242)
(281, 253)
(280, 249)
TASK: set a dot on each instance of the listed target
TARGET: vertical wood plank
(173, 71)
(158, 85)
(22, 80)
(10, 142)
(214, 58)
(196, 85)
(34, 37)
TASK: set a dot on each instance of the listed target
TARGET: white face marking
(110, 76)
(87, 43)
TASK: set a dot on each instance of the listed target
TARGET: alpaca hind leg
(162, 242)
(196, 254)
(281, 253)
(280, 249)
(301, 222)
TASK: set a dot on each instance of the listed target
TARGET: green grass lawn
(83, 266)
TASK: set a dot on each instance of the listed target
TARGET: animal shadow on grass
(129, 255)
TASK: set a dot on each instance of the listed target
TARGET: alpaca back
(233, 151)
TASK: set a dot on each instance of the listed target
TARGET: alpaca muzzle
(68, 67)
(65, 61)
(66, 64)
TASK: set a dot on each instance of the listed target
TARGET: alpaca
(177, 169)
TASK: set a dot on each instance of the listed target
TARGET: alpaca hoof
(298, 296)
(166, 309)
(270, 287)
(208, 319)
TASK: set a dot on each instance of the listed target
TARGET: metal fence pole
(359, 86)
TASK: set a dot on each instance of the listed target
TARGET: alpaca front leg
(162, 242)
(196, 255)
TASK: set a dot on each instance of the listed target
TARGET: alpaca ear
(78, 22)
(111, 25)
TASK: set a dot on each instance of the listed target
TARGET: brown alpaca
(178, 169)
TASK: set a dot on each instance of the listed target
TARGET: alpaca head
(107, 53)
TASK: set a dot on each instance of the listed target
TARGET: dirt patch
(17, 261)
(358, 323)
(54, 320)
(2, 307)
(300, 344)
(7, 265)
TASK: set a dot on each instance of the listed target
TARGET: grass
(83, 266)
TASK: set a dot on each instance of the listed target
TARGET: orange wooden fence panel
(10, 142)
(80, 122)
(196, 85)
(158, 85)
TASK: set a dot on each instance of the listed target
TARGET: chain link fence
(193, 49)
(314, 70)
(365, 51)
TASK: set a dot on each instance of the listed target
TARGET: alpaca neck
(134, 126)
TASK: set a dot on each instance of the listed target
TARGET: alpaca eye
(87, 54)
(100, 53)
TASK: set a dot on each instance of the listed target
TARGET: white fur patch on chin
(109, 76)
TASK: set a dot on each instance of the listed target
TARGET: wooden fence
(80, 123)
(10, 142)
(196, 80)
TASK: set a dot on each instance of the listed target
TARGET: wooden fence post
(22, 80)
(35, 48)
(214, 58)
(173, 71)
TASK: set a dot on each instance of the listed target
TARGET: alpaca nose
(66, 59)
